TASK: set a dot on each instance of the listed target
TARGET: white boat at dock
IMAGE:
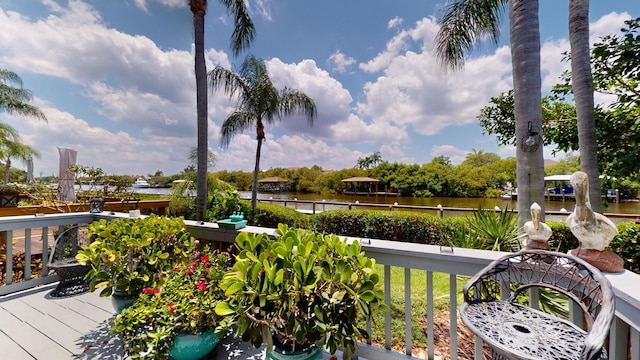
(141, 183)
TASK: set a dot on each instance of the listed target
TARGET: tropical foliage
(467, 23)
(184, 304)
(301, 288)
(14, 99)
(615, 68)
(130, 254)
(242, 36)
(259, 103)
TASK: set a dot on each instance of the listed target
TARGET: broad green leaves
(301, 286)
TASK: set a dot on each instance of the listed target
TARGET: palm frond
(15, 99)
(465, 23)
(236, 123)
(243, 30)
(230, 82)
(7, 76)
(294, 101)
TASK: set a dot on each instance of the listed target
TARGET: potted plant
(177, 319)
(301, 291)
(9, 195)
(129, 254)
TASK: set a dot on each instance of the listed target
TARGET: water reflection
(450, 202)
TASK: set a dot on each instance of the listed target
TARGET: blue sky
(115, 79)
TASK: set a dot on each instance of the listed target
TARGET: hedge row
(422, 228)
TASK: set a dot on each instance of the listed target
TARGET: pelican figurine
(593, 230)
(536, 230)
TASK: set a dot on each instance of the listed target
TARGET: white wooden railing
(624, 336)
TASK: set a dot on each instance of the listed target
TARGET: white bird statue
(537, 232)
(593, 230)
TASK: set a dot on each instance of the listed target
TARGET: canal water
(624, 207)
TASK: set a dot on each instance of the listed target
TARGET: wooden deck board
(34, 325)
(46, 324)
(10, 350)
(38, 345)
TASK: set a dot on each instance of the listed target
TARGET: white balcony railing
(624, 336)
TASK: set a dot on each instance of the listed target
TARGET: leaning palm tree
(13, 148)
(582, 85)
(14, 99)
(241, 38)
(464, 24)
(258, 102)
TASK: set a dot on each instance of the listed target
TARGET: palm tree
(582, 84)
(14, 99)
(11, 147)
(243, 35)
(258, 102)
(464, 24)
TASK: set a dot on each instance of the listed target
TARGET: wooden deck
(34, 325)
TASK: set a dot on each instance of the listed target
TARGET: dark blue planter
(193, 347)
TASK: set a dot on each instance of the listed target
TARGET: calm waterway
(631, 207)
(624, 207)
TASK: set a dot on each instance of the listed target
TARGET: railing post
(430, 317)
(313, 207)
(618, 339)
(407, 311)
(453, 316)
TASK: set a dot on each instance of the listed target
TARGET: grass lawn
(418, 304)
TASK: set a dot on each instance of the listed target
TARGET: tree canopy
(616, 71)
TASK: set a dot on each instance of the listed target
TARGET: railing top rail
(408, 255)
(42, 220)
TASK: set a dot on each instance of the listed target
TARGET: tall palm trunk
(525, 53)
(582, 83)
(7, 171)
(256, 170)
(199, 9)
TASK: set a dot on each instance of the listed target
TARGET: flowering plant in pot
(181, 310)
(301, 290)
(129, 254)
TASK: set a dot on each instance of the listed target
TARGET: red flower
(197, 243)
(176, 268)
(194, 264)
(201, 286)
(189, 272)
(172, 307)
(147, 291)
(204, 258)
(156, 291)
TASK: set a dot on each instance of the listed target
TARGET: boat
(141, 183)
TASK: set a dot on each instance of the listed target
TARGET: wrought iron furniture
(493, 307)
(63, 260)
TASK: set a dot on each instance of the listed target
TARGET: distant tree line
(481, 174)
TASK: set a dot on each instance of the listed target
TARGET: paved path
(19, 240)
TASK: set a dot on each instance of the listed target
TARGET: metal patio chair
(63, 260)
(494, 309)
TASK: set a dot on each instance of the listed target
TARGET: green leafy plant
(9, 189)
(184, 304)
(130, 254)
(301, 288)
(495, 231)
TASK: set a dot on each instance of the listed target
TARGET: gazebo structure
(361, 186)
(273, 184)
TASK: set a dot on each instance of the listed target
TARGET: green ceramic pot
(122, 300)
(193, 347)
(311, 352)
